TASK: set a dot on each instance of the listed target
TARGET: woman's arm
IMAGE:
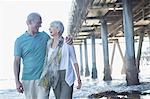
(76, 66)
(78, 75)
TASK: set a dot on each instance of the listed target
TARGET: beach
(89, 87)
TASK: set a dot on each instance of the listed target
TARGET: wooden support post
(104, 32)
(132, 71)
(139, 50)
(123, 59)
(87, 72)
(94, 69)
(112, 57)
(81, 61)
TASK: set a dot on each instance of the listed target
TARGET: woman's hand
(79, 84)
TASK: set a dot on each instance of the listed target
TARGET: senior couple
(47, 62)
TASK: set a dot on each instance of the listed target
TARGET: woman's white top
(50, 51)
(68, 60)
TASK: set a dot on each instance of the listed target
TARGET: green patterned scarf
(50, 75)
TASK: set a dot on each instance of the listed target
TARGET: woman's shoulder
(68, 46)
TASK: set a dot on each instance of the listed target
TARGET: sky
(13, 15)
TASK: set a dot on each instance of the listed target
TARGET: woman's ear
(58, 31)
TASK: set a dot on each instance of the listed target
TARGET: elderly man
(31, 48)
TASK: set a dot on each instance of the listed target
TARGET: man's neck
(31, 32)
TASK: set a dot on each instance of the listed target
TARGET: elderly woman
(60, 64)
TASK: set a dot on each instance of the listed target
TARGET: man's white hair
(33, 16)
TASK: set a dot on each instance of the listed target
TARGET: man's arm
(19, 86)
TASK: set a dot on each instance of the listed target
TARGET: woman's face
(53, 31)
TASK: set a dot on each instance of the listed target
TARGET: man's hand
(19, 87)
(69, 40)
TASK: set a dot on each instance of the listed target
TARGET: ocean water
(89, 86)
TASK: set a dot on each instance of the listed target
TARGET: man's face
(36, 24)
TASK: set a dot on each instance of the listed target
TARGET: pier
(110, 20)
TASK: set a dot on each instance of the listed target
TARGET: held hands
(19, 87)
(69, 40)
(79, 84)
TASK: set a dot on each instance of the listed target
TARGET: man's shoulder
(44, 34)
(20, 37)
